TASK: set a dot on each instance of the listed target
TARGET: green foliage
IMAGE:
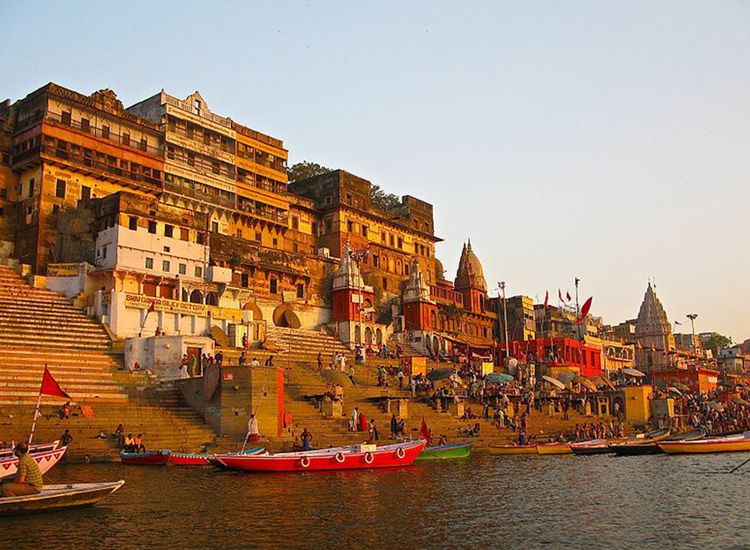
(715, 342)
(303, 170)
(384, 201)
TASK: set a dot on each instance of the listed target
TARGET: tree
(384, 201)
(717, 342)
(303, 170)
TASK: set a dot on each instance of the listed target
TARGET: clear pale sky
(604, 140)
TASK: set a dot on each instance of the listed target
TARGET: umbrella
(741, 401)
(439, 374)
(498, 378)
(336, 377)
(633, 372)
(674, 390)
(554, 381)
(682, 387)
(603, 381)
(583, 381)
(716, 406)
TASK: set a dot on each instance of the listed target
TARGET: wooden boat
(728, 444)
(444, 452)
(590, 447)
(642, 444)
(151, 458)
(38, 448)
(555, 448)
(58, 497)
(336, 458)
(45, 459)
(512, 449)
(203, 459)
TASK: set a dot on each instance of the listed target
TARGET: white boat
(37, 448)
(45, 459)
(59, 497)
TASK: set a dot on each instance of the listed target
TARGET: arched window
(357, 334)
(196, 297)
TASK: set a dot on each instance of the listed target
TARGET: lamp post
(505, 319)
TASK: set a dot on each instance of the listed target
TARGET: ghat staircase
(41, 328)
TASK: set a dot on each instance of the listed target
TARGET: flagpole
(36, 410)
(577, 312)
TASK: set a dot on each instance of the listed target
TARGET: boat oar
(740, 466)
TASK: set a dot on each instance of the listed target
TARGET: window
(168, 230)
(126, 139)
(55, 208)
(133, 223)
(328, 225)
(349, 226)
(314, 228)
(184, 234)
(245, 280)
(300, 290)
(198, 107)
(85, 126)
(400, 242)
(60, 191)
(329, 199)
(85, 192)
(348, 198)
(191, 158)
(31, 187)
(200, 238)
(215, 167)
(295, 222)
(182, 269)
(295, 248)
(149, 263)
(385, 283)
(167, 249)
(214, 227)
(105, 131)
(375, 260)
(165, 266)
(365, 229)
(198, 272)
(275, 243)
(383, 238)
(65, 117)
(390, 240)
(152, 227)
(144, 144)
(104, 253)
(257, 236)
(273, 286)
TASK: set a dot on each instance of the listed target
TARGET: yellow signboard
(185, 308)
(63, 270)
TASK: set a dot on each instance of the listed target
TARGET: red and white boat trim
(45, 459)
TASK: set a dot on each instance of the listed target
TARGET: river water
(485, 501)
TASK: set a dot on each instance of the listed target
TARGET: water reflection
(497, 502)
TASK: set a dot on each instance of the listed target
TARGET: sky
(602, 140)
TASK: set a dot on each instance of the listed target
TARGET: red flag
(567, 296)
(152, 307)
(585, 310)
(546, 298)
(425, 433)
(559, 295)
(50, 386)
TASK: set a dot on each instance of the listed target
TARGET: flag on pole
(152, 307)
(567, 297)
(425, 433)
(546, 298)
(559, 295)
(585, 310)
(50, 386)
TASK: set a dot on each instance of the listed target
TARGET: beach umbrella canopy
(336, 377)
(566, 376)
(439, 374)
(633, 372)
(674, 390)
(498, 378)
(603, 381)
(716, 406)
(585, 382)
(554, 381)
(682, 387)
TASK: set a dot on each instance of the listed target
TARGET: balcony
(199, 194)
(265, 213)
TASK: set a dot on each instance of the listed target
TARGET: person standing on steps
(354, 424)
(351, 375)
(306, 440)
(253, 433)
(320, 362)
(362, 422)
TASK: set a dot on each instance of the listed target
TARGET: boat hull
(446, 452)
(597, 447)
(700, 446)
(45, 459)
(391, 456)
(153, 458)
(627, 449)
(554, 449)
(512, 449)
(58, 497)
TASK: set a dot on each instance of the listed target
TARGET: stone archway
(212, 299)
(378, 336)
(368, 336)
(196, 297)
(357, 334)
(284, 316)
(257, 313)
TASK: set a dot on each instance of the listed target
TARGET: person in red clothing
(363, 424)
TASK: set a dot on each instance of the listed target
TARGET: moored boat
(591, 447)
(337, 458)
(59, 497)
(555, 448)
(45, 459)
(728, 444)
(151, 458)
(37, 448)
(512, 449)
(444, 452)
(203, 459)
(639, 445)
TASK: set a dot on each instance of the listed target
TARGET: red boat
(152, 458)
(202, 459)
(45, 459)
(337, 458)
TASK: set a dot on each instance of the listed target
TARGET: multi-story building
(8, 183)
(521, 319)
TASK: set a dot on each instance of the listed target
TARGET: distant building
(653, 334)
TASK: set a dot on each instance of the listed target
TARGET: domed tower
(653, 332)
(420, 311)
(470, 280)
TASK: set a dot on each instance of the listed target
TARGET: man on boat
(306, 440)
(253, 433)
(28, 478)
